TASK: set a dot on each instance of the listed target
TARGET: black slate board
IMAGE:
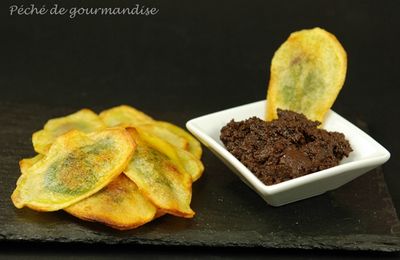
(357, 216)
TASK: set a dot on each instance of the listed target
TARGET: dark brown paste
(285, 148)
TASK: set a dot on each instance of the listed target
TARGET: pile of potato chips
(121, 168)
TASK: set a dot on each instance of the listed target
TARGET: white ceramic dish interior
(367, 154)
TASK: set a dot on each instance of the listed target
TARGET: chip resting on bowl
(307, 73)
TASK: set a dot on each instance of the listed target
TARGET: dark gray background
(200, 56)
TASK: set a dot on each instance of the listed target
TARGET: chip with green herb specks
(76, 166)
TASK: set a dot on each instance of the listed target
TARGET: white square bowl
(367, 154)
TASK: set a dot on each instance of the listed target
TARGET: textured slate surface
(357, 216)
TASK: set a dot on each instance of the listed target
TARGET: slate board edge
(389, 244)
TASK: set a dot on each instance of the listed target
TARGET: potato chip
(194, 146)
(119, 205)
(130, 117)
(190, 163)
(307, 73)
(165, 134)
(84, 120)
(184, 160)
(159, 177)
(24, 164)
(124, 115)
(77, 165)
(174, 135)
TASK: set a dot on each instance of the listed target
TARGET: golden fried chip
(307, 73)
(84, 120)
(190, 163)
(124, 115)
(120, 205)
(24, 164)
(174, 146)
(159, 178)
(130, 117)
(77, 165)
(184, 160)
(165, 134)
(194, 146)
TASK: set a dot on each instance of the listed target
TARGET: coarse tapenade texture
(285, 148)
